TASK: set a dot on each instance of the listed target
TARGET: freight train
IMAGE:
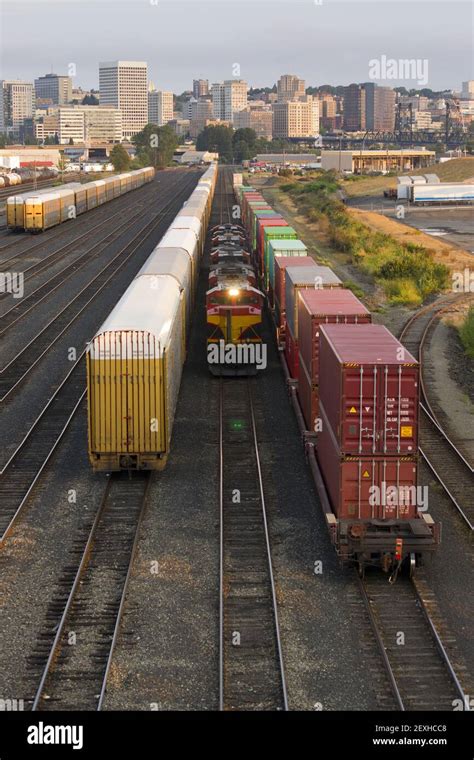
(135, 360)
(39, 210)
(234, 305)
(355, 390)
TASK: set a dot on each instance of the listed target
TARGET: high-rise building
(123, 84)
(258, 118)
(290, 87)
(354, 108)
(160, 107)
(467, 92)
(201, 114)
(228, 98)
(380, 104)
(91, 123)
(54, 87)
(296, 118)
(16, 105)
(200, 88)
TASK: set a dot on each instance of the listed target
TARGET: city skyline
(315, 58)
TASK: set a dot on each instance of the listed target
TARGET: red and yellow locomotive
(234, 306)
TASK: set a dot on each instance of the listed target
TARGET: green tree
(119, 158)
(90, 100)
(217, 139)
(155, 145)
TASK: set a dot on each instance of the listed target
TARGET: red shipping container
(324, 306)
(308, 395)
(369, 389)
(367, 487)
(281, 263)
(291, 354)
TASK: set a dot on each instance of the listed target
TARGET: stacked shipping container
(317, 307)
(368, 405)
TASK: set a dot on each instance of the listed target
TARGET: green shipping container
(275, 233)
(281, 248)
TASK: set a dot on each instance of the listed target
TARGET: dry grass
(443, 253)
(457, 170)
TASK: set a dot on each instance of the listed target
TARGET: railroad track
(251, 668)
(64, 230)
(25, 466)
(16, 371)
(27, 463)
(441, 454)
(43, 291)
(90, 603)
(417, 663)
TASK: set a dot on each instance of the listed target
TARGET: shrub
(466, 333)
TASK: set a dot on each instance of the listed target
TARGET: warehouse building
(364, 161)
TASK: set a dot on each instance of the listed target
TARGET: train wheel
(412, 565)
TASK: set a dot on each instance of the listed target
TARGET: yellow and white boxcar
(134, 366)
(49, 209)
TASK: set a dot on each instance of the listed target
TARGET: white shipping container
(442, 192)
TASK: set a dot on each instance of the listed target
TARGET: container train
(135, 360)
(355, 390)
(234, 305)
(38, 211)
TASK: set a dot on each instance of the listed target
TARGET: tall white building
(16, 105)
(228, 98)
(468, 90)
(160, 107)
(123, 84)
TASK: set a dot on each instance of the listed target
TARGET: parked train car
(38, 211)
(135, 360)
(355, 392)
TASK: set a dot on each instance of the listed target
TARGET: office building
(123, 85)
(55, 88)
(290, 87)
(160, 107)
(16, 105)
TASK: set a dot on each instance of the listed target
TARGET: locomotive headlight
(234, 291)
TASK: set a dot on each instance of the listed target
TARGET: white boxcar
(134, 366)
(175, 262)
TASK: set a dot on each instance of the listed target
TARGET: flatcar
(135, 360)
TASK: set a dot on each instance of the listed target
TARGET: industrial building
(364, 161)
(123, 84)
(55, 88)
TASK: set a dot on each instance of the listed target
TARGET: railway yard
(161, 589)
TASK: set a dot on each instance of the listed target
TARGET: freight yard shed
(364, 161)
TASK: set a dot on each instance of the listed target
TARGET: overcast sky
(327, 43)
